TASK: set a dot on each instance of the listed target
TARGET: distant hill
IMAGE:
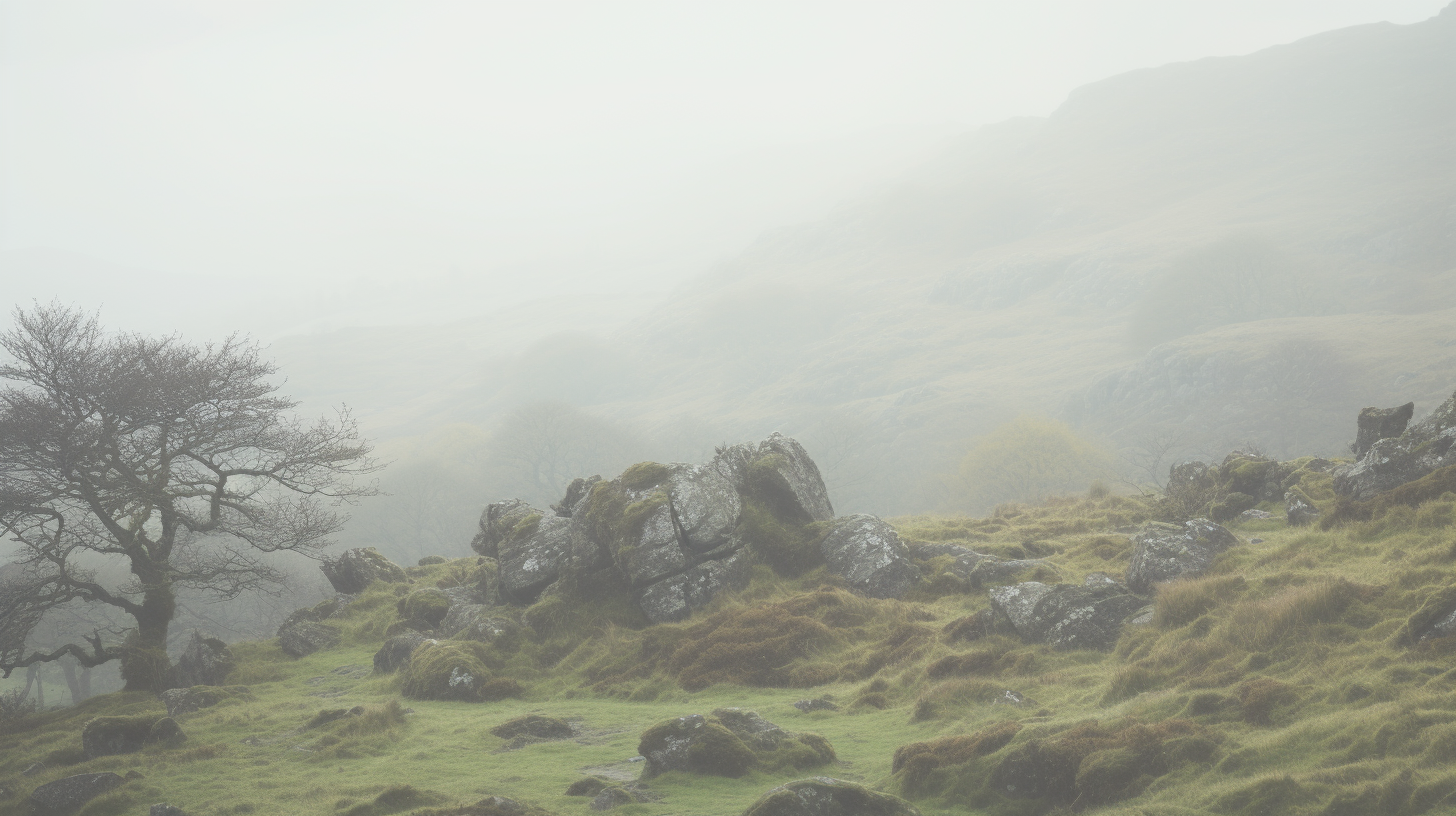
(1227, 251)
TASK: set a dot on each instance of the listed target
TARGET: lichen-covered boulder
(535, 727)
(480, 623)
(694, 743)
(1162, 552)
(1067, 616)
(205, 662)
(429, 606)
(826, 796)
(869, 555)
(533, 554)
(705, 505)
(301, 634)
(356, 569)
(676, 597)
(973, 569)
(1375, 424)
(395, 653)
(1424, 447)
(69, 794)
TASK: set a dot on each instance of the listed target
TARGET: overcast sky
(286, 166)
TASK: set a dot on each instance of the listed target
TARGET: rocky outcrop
(826, 796)
(1390, 462)
(674, 534)
(1298, 509)
(68, 795)
(1162, 552)
(1066, 616)
(870, 556)
(356, 569)
(205, 662)
(1375, 424)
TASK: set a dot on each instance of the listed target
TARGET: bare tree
(178, 460)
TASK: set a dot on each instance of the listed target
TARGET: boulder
(301, 634)
(755, 731)
(497, 521)
(675, 598)
(480, 623)
(696, 744)
(533, 554)
(205, 662)
(826, 796)
(1162, 552)
(612, 797)
(1067, 616)
(356, 569)
(106, 736)
(869, 555)
(816, 704)
(704, 505)
(782, 474)
(181, 701)
(395, 653)
(69, 794)
(1424, 447)
(167, 732)
(1375, 424)
(1298, 509)
(428, 606)
(576, 493)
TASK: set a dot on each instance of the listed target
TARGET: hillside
(1295, 670)
(1268, 238)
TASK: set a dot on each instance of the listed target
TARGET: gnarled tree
(181, 461)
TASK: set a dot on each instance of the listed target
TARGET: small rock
(816, 704)
(534, 726)
(612, 797)
(395, 653)
(1255, 515)
(870, 556)
(301, 635)
(205, 662)
(1299, 510)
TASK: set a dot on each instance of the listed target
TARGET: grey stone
(672, 752)
(497, 521)
(1424, 447)
(705, 505)
(1162, 552)
(356, 569)
(816, 704)
(69, 794)
(1375, 424)
(205, 662)
(576, 495)
(826, 796)
(1255, 515)
(870, 556)
(1017, 603)
(612, 797)
(755, 731)
(396, 651)
(533, 554)
(302, 635)
(977, 570)
(675, 598)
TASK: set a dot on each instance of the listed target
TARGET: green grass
(1290, 663)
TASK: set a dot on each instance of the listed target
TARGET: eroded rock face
(1390, 462)
(675, 598)
(1375, 424)
(356, 569)
(1067, 616)
(205, 662)
(1163, 552)
(870, 556)
(69, 794)
(534, 553)
(783, 473)
(826, 796)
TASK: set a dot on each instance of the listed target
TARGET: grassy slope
(1352, 713)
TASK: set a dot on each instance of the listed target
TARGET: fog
(285, 167)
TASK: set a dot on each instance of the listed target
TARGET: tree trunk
(85, 682)
(144, 665)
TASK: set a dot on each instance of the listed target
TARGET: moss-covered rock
(455, 670)
(826, 796)
(428, 605)
(696, 744)
(105, 736)
(356, 569)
